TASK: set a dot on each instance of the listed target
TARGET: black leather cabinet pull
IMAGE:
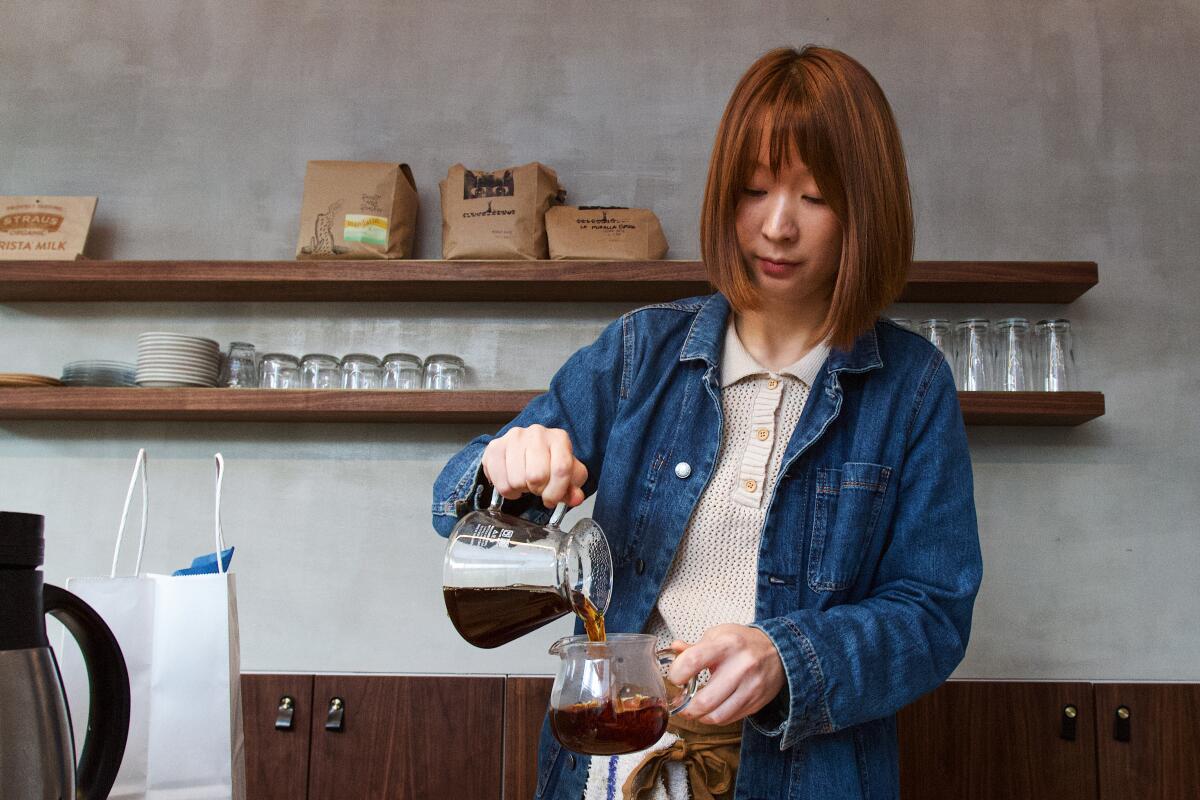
(335, 719)
(1121, 730)
(285, 714)
(1070, 719)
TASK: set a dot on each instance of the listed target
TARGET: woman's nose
(779, 225)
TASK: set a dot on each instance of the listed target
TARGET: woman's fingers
(741, 702)
(514, 465)
(579, 476)
(560, 468)
(494, 460)
(535, 460)
(538, 460)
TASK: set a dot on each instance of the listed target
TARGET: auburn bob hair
(823, 106)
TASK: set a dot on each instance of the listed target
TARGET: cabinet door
(525, 704)
(1001, 740)
(1161, 759)
(276, 757)
(407, 737)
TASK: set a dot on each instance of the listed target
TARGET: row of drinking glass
(1010, 355)
(243, 368)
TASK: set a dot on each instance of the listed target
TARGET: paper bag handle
(217, 533)
(139, 467)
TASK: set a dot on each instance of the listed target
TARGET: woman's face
(789, 237)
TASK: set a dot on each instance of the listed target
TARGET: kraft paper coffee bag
(45, 228)
(357, 209)
(497, 214)
(605, 233)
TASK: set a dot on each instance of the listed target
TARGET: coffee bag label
(365, 228)
(45, 228)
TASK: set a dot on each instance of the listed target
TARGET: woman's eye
(755, 192)
(814, 200)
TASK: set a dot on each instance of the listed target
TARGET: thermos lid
(21, 541)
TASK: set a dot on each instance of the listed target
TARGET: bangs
(795, 129)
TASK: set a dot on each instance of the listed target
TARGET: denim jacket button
(639, 566)
(571, 760)
(683, 469)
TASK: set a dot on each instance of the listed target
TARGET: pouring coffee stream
(505, 576)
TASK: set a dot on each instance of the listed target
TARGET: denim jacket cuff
(461, 500)
(801, 709)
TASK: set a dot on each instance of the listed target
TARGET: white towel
(607, 774)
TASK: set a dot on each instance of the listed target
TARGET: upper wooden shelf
(578, 281)
(493, 407)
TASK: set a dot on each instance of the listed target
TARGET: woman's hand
(535, 460)
(745, 668)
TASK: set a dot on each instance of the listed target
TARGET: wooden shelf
(1065, 409)
(479, 406)
(461, 281)
(261, 405)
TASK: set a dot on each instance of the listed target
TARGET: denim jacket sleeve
(582, 400)
(852, 663)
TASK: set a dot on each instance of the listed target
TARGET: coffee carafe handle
(666, 657)
(560, 510)
(108, 693)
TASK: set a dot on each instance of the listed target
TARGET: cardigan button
(683, 470)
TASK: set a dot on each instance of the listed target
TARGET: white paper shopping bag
(179, 635)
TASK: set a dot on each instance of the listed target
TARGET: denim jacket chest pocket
(845, 513)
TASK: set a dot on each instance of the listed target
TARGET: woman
(783, 477)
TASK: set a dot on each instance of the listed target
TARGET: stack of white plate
(172, 359)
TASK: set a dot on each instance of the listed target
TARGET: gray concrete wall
(1034, 130)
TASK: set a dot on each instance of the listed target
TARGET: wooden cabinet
(991, 739)
(475, 738)
(525, 702)
(1148, 740)
(406, 737)
(396, 737)
(277, 755)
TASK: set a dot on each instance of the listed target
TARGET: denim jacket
(869, 559)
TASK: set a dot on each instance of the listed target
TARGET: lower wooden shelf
(471, 406)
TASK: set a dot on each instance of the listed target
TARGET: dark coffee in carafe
(490, 617)
(606, 729)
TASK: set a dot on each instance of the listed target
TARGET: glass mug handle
(559, 511)
(665, 659)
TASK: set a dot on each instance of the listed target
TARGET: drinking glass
(401, 371)
(1014, 356)
(937, 331)
(361, 371)
(239, 369)
(279, 371)
(1056, 355)
(973, 356)
(320, 371)
(444, 371)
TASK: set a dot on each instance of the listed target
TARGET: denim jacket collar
(707, 334)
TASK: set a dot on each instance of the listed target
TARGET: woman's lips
(777, 269)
